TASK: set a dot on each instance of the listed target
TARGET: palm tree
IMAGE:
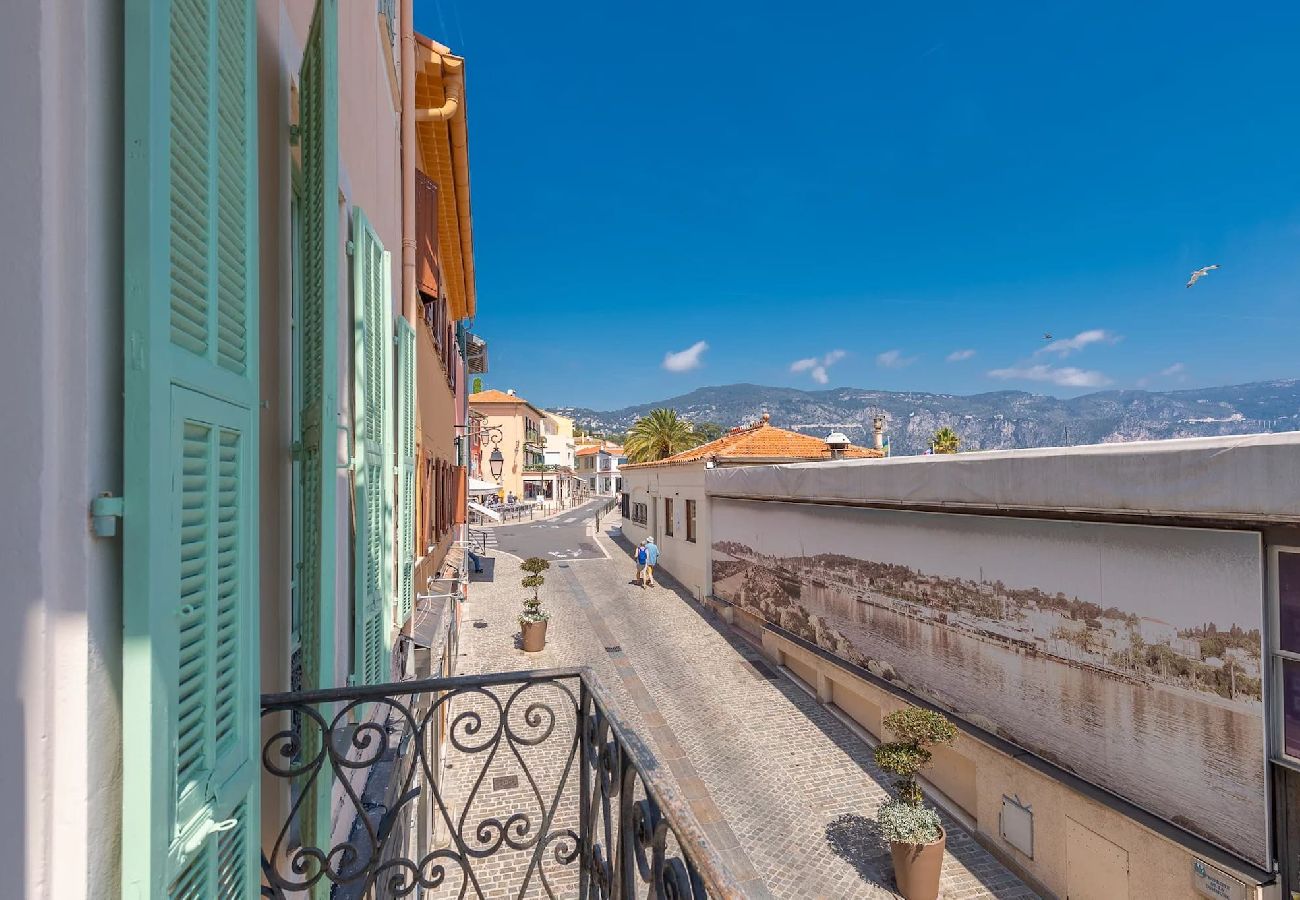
(658, 435)
(945, 440)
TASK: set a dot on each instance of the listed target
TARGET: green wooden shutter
(318, 362)
(372, 451)
(318, 376)
(407, 550)
(190, 605)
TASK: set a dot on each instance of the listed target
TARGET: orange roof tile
(587, 451)
(495, 396)
(762, 441)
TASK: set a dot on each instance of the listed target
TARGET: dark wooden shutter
(426, 234)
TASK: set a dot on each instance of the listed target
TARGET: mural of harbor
(1128, 655)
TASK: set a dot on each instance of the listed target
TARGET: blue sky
(844, 194)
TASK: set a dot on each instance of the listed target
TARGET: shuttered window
(316, 372)
(317, 342)
(372, 451)
(189, 659)
(426, 235)
(406, 529)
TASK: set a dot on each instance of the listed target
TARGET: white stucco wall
(60, 352)
(686, 561)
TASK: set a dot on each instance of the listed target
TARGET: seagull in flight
(1201, 273)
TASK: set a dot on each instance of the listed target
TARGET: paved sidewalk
(785, 790)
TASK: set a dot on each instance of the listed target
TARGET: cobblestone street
(783, 788)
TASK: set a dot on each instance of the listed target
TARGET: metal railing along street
(604, 510)
(459, 784)
(477, 539)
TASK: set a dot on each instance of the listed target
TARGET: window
(640, 513)
(690, 521)
(1288, 600)
(1286, 652)
(668, 516)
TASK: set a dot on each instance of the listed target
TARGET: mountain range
(993, 421)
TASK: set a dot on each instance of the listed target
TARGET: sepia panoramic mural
(1128, 655)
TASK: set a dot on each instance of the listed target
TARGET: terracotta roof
(762, 441)
(587, 451)
(495, 396)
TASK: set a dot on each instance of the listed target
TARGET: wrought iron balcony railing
(458, 786)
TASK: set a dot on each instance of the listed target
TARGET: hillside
(992, 421)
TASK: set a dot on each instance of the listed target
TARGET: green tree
(709, 431)
(945, 440)
(658, 435)
(915, 731)
(534, 566)
(478, 386)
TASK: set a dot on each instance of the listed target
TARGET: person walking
(640, 564)
(651, 560)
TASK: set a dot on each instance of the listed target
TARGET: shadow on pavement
(856, 840)
(489, 570)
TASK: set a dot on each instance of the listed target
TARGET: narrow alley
(782, 787)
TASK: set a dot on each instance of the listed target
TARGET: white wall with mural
(1126, 654)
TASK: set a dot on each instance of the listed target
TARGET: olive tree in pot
(916, 839)
(532, 621)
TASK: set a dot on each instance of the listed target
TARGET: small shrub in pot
(532, 621)
(916, 839)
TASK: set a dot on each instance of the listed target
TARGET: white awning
(483, 510)
(483, 487)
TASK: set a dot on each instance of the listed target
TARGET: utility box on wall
(1017, 824)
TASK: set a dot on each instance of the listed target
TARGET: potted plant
(916, 839)
(532, 621)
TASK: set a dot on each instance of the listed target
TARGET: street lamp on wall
(478, 431)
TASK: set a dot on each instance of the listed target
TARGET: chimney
(837, 442)
(878, 431)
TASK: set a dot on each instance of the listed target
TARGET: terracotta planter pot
(917, 867)
(534, 635)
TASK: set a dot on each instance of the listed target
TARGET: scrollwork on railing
(453, 784)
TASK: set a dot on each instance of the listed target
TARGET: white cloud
(816, 366)
(960, 355)
(685, 360)
(1066, 346)
(894, 359)
(1178, 372)
(1064, 376)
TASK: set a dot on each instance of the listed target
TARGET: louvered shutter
(372, 451)
(318, 374)
(405, 469)
(190, 604)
